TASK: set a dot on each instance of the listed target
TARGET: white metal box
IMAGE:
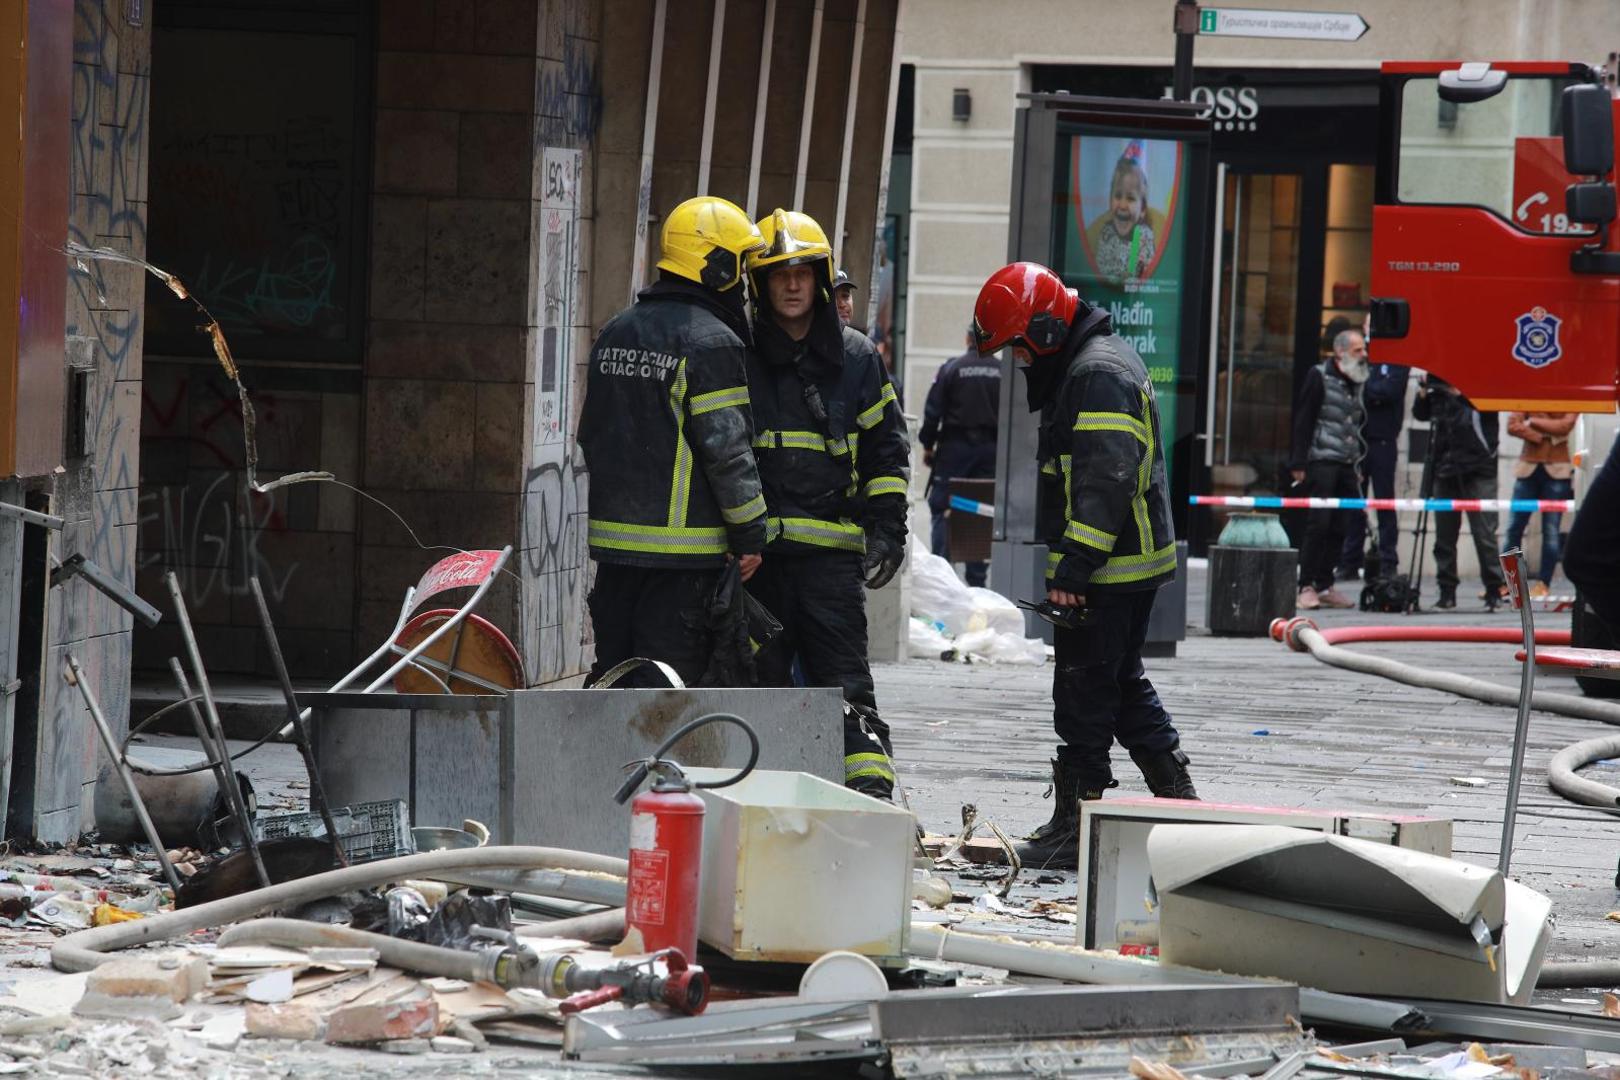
(795, 866)
(1114, 866)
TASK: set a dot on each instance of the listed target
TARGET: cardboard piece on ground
(1344, 915)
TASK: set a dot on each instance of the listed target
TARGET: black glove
(884, 554)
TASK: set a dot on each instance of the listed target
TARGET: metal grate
(368, 831)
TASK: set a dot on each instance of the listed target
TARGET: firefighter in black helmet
(667, 438)
(833, 453)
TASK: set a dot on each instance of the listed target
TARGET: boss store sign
(1232, 108)
(1251, 110)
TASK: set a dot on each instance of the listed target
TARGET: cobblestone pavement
(1267, 726)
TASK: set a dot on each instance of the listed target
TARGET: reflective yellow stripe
(1126, 568)
(790, 440)
(842, 535)
(871, 416)
(680, 484)
(745, 513)
(1112, 421)
(718, 399)
(1068, 486)
(1144, 477)
(840, 447)
(885, 485)
(1049, 469)
(619, 536)
(1085, 534)
(859, 765)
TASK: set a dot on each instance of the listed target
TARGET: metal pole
(849, 133)
(219, 756)
(1186, 27)
(32, 517)
(649, 139)
(716, 39)
(1513, 564)
(75, 676)
(803, 169)
(317, 794)
(767, 39)
(215, 728)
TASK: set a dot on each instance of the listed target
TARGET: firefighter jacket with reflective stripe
(831, 442)
(1102, 463)
(667, 436)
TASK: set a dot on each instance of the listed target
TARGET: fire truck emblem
(1538, 338)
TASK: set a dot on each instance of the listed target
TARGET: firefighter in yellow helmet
(833, 453)
(666, 434)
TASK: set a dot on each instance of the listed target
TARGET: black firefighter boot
(1055, 845)
(1165, 772)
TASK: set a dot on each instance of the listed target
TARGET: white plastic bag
(937, 594)
(925, 642)
(998, 612)
(988, 644)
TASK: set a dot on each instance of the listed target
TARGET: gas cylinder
(666, 861)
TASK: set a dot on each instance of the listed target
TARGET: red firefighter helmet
(1024, 304)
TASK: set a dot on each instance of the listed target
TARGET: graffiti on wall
(568, 97)
(555, 563)
(555, 277)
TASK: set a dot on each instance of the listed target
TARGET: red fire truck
(1496, 251)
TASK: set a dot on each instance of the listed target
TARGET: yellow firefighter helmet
(705, 239)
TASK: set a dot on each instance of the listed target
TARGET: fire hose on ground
(1302, 635)
(89, 948)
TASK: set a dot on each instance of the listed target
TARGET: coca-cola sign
(464, 569)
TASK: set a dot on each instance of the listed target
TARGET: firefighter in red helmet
(1102, 465)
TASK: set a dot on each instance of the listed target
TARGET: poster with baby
(1120, 224)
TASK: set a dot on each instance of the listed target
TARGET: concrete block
(499, 445)
(508, 26)
(495, 155)
(290, 1020)
(455, 26)
(477, 261)
(416, 151)
(465, 519)
(450, 1044)
(378, 1023)
(398, 256)
(405, 26)
(463, 83)
(174, 977)
(541, 766)
(419, 435)
(339, 455)
(446, 350)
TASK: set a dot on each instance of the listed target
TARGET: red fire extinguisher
(666, 845)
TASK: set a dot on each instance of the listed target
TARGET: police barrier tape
(969, 506)
(1272, 502)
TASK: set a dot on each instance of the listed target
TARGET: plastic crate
(367, 831)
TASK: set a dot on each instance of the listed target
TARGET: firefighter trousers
(1101, 693)
(820, 600)
(656, 613)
